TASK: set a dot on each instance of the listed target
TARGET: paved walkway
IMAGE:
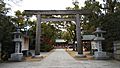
(61, 59)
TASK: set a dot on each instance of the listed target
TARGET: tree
(90, 21)
(3, 10)
(110, 23)
(48, 35)
(49, 31)
(66, 36)
(110, 6)
(71, 26)
(6, 29)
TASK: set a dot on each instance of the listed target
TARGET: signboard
(25, 43)
(93, 45)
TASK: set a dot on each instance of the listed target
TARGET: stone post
(38, 34)
(100, 46)
(78, 34)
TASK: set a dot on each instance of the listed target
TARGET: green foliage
(108, 21)
(93, 6)
(111, 24)
(70, 26)
(3, 10)
(66, 35)
(71, 30)
(90, 21)
(48, 35)
(46, 48)
(49, 31)
(19, 19)
(6, 29)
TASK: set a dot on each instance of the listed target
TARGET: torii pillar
(38, 35)
(78, 34)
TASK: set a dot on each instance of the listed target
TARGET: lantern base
(101, 55)
(16, 57)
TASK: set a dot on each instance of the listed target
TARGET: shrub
(46, 48)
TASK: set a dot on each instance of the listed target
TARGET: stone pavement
(61, 59)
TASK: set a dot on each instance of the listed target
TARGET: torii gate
(77, 14)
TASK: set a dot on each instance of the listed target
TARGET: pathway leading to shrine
(61, 59)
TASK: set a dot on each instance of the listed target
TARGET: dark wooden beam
(57, 12)
(57, 19)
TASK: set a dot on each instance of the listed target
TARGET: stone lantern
(99, 38)
(99, 54)
(18, 55)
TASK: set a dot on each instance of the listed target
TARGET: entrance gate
(77, 14)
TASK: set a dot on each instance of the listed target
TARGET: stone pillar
(99, 46)
(17, 47)
(38, 34)
(78, 35)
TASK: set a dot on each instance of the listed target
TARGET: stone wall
(116, 50)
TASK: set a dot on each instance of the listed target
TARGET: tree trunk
(74, 39)
(74, 45)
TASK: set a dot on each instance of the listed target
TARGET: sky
(42, 5)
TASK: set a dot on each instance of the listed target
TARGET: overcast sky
(43, 5)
